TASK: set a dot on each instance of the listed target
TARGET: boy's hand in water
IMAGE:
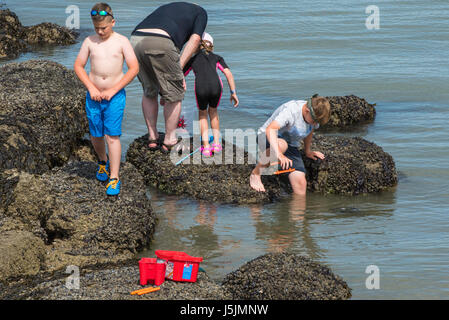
(234, 100)
(315, 155)
(95, 94)
(108, 94)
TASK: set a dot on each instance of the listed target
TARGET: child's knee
(112, 139)
(212, 111)
(283, 145)
(298, 182)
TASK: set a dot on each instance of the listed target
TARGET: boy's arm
(227, 72)
(133, 70)
(272, 136)
(78, 67)
(308, 151)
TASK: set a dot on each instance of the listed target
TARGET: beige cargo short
(159, 67)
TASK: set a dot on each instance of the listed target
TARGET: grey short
(159, 67)
(292, 152)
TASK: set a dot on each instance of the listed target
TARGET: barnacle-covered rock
(116, 283)
(202, 179)
(10, 46)
(352, 166)
(48, 33)
(22, 254)
(9, 23)
(42, 115)
(285, 276)
(68, 210)
(349, 110)
(279, 276)
(16, 38)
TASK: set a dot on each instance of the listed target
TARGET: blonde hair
(322, 109)
(100, 6)
(206, 46)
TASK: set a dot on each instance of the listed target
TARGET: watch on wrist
(232, 91)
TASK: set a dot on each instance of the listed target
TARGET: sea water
(395, 54)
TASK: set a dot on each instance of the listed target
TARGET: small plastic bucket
(180, 266)
(151, 271)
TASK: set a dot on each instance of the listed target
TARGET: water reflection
(207, 214)
(183, 225)
(227, 236)
(360, 129)
(323, 207)
(285, 226)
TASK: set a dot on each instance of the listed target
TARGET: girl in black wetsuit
(209, 89)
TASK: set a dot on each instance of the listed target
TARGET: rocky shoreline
(352, 166)
(16, 38)
(54, 213)
(274, 276)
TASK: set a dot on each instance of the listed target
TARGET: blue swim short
(106, 117)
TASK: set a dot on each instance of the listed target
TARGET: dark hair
(100, 6)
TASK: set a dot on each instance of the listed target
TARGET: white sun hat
(206, 36)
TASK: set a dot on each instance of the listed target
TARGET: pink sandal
(216, 147)
(206, 151)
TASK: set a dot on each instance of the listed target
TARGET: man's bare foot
(255, 182)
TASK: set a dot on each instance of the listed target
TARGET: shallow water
(292, 49)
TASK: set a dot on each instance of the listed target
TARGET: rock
(223, 183)
(349, 110)
(22, 254)
(69, 211)
(15, 38)
(84, 151)
(11, 46)
(8, 181)
(117, 284)
(351, 166)
(9, 23)
(285, 276)
(280, 276)
(49, 33)
(42, 115)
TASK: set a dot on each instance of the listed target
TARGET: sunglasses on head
(309, 106)
(94, 13)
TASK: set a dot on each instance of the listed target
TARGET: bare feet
(255, 182)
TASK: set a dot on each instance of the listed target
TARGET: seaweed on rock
(352, 166)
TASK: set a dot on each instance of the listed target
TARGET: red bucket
(180, 266)
(151, 271)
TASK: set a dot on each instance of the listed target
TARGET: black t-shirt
(179, 19)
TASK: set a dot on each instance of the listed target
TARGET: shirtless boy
(106, 97)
